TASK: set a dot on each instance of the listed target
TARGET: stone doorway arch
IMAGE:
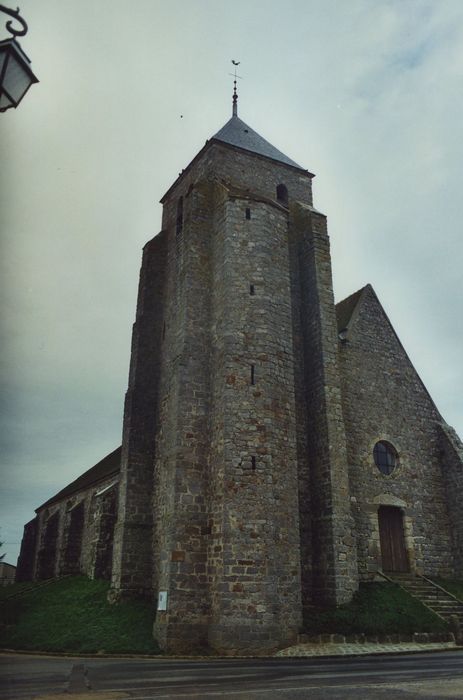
(385, 500)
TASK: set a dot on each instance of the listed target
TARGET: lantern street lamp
(16, 76)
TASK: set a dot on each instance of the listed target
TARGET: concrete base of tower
(179, 637)
(229, 640)
(252, 639)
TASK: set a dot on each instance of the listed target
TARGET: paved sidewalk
(356, 649)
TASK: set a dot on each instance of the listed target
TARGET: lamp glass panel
(16, 80)
(5, 102)
(3, 55)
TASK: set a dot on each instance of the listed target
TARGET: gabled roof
(237, 133)
(346, 307)
(346, 313)
(111, 464)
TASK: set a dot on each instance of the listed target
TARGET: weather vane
(235, 94)
(15, 14)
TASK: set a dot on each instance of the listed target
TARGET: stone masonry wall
(452, 470)
(200, 558)
(49, 537)
(105, 515)
(25, 567)
(325, 510)
(182, 452)
(132, 557)
(73, 539)
(237, 168)
(384, 399)
(67, 533)
(301, 424)
(254, 557)
(232, 416)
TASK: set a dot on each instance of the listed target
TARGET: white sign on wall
(162, 600)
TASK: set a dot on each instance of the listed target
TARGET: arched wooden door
(392, 539)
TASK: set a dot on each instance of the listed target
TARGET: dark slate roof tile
(237, 133)
(111, 464)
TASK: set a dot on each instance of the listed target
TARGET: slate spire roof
(237, 133)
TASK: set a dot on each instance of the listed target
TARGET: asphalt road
(409, 677)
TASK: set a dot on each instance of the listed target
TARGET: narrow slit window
(253, 462)
(163, 330)
(253, 374)
(282, 194)
(248, 213)
(252, 291)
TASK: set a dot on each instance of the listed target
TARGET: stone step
(445, 612)
(421, 589)
(448, 611)
(433, 597)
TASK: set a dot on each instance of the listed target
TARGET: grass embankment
(452, 586)
(73, 615)
(377, 608)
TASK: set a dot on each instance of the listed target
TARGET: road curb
(165, 657)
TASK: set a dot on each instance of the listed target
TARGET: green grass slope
(377, 608)
(73, 615)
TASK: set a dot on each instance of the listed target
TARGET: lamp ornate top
(16, 16)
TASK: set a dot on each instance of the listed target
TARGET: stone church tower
(234, 467)
(276, 449)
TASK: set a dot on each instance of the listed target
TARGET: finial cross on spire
(235, 94)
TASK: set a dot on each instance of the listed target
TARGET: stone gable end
(385, 400)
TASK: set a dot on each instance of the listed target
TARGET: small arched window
(179, 225)
(386, 457)
(282, 194)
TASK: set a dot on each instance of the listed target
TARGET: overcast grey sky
(367, 94)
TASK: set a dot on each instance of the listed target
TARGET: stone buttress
(330, 573)
(132, 547)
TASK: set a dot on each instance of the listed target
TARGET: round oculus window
(386, 457)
